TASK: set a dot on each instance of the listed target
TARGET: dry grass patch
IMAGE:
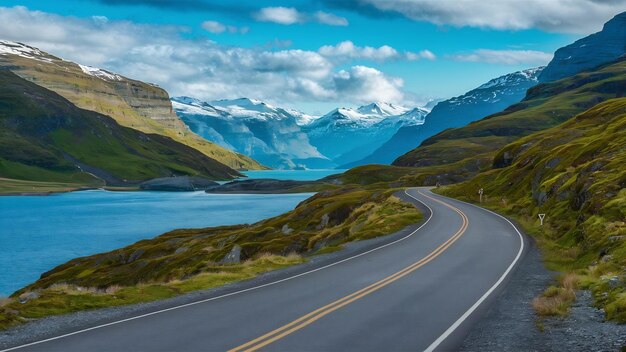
(556, 301)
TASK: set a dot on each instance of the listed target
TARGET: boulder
(28, 296)
(233, 257)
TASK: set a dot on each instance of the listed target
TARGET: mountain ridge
(47, 138)
(490, 97)
(141, 106)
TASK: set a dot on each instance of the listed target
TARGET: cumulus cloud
(367, 84)
(198, 67)
(509, 57)
(346, 50)
(280, 15)
(573, 16)
(289, 15)
(218, 27)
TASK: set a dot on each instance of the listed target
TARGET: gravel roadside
(511, 325)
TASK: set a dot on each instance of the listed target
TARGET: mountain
(489, 98)
(467, 150)
(346, 135)
(587, 53)
(141, 106)
(574, 173)
(269, 134)
(44, 137)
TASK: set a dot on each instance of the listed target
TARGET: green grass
(575, 173)
(460, 153)
(41, 134)
(133, 104)
(64, 298)
(190, 259)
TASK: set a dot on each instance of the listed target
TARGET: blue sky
(272, 50)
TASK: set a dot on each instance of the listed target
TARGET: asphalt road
(421, 292)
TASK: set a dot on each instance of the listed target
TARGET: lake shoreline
(63, 226)
(310, 176)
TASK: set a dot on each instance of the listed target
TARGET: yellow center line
(315, 315)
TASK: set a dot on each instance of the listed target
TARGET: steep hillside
(545, 106)
(131, 103)
(266, 133)
(489, 98)
(44, 137)
(574, 173)
(590, 52)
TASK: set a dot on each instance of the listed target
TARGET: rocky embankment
(261, 186)
(178, 184)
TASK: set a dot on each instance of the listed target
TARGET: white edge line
(465, 315)
(232, 293)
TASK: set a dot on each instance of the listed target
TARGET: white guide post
(541, 217)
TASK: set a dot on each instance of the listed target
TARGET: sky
(311, 55)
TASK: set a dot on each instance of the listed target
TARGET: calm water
(39, 232)
(299, 175)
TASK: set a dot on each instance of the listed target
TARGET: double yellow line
(309, 318)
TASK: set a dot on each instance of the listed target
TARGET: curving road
(422, 291)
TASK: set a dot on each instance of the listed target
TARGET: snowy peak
(367, 116)
(241, 109)
(499, 89)
(8, 47)
(514, 78)
(14, 48)
(251, 109)
(382, 109)
(193, 106)
(100, 73)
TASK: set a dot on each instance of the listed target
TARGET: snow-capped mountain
(287, 138)
(346, 134)
(269, 134)
(381, 109)
(489, 98)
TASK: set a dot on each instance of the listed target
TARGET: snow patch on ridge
(13, 48)
(100, 73)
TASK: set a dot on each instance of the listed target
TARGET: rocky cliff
(139, 105)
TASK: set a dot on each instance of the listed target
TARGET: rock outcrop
(589, 52)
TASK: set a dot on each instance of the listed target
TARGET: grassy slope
(576, 174)
(39, 129)
(131, 103)
(185, 260)
(461, 152)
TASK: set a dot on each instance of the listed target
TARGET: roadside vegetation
(192, 259)
(574, 173)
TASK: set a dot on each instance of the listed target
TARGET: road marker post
(541, 217)
(480, 192)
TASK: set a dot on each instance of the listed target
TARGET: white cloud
(573, 16)
(279, 14)
(346, 50)
(218, 27)
(330, 19)
(290, 15)
(214, 26)
(199, 67)
(366, 84)
(509, 57)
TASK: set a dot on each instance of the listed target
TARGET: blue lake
(299, 175)
(39, 232)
